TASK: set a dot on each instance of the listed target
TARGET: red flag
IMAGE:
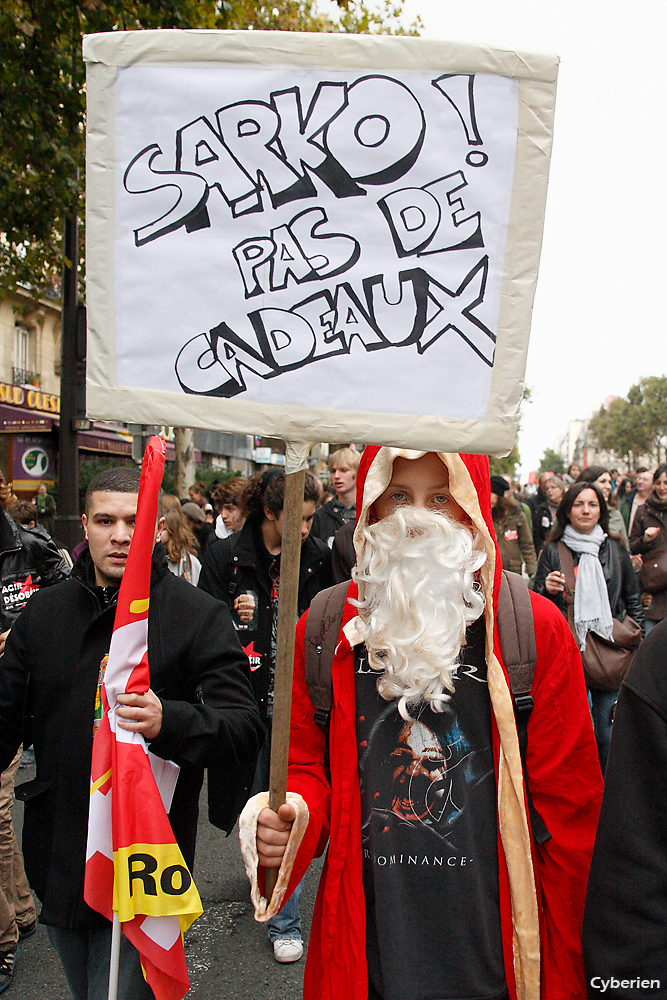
(134, 866)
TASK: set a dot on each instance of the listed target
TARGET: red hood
(478, 469)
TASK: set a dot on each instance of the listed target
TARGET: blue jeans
(287, 923)
(602, 704)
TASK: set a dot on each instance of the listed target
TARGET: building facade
(30, 407)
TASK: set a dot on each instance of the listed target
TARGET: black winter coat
(343, 555)
(542, 520)
(620, 577)
(328, 518)
(52, 663)
(625, 920)
(29, 560)
(234, 566)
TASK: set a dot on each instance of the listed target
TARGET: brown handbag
(605, 662)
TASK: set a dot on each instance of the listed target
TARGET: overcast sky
(597, 325)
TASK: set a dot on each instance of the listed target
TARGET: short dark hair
(23, 512)
(121, 480)
(267, 490)
(658, 472)
(565, 506)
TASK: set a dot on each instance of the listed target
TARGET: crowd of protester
(621, 527)
(591, 541)
(204, 538)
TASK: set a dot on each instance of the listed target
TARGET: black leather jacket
(620, 577)
(29, 560)
(234, 566)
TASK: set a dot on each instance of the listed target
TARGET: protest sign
(314, 237)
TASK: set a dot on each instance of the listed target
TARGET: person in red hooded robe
(433, 886)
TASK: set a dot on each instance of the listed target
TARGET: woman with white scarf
(606, 585)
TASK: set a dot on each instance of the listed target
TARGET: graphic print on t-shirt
(418, 767)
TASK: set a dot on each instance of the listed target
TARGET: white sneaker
(287, 949)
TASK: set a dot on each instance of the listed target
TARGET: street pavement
(227, 952)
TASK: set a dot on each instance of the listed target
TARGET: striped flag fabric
(134, 866)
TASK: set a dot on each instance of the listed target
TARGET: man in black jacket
(244, 571)
(199, 712)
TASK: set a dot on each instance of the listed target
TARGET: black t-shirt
(429, 838)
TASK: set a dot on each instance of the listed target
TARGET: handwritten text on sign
(311, 216)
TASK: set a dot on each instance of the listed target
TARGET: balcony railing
(21, 376)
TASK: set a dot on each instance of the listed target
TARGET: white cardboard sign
(315, 237)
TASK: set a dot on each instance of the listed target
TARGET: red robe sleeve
(307, 768)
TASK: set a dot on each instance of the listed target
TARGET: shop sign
(34, 399)
(33, 458)
(116, 447)
(25, 426)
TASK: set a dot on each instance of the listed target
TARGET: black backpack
(517, 640)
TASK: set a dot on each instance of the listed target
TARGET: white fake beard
(418, 594)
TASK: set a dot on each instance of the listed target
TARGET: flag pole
(296, 461)
(115, 958)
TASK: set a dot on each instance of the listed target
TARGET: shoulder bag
(605, 663)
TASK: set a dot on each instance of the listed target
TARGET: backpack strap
(567, 566)
(322, 628)
(517, 633)
(516, 628)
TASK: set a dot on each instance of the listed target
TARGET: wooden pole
(290, 559)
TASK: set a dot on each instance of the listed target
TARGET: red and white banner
(134, 866)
